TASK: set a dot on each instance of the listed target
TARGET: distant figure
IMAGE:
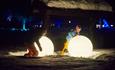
(70, 35)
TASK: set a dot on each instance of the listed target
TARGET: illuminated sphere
(47, 47)
(80, 46)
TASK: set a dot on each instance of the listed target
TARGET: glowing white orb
(112, 25)
(80, 46)
(46, 46)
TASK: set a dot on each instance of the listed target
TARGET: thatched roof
(79, 4)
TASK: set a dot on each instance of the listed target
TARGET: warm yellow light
(46, 46)
(80, 46)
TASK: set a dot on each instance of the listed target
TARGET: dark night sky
(25, 6)
(112, 3)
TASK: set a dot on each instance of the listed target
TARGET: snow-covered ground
(103, 59)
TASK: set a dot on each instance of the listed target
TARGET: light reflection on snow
(46, 45)
(94, 55)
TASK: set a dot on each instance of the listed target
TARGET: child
(70, 35)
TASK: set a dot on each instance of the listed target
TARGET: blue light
(13, 29)
(100, 22)
(9, 18)
(105, 24)
(58, 23)
(24, 24)
(8, 15)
